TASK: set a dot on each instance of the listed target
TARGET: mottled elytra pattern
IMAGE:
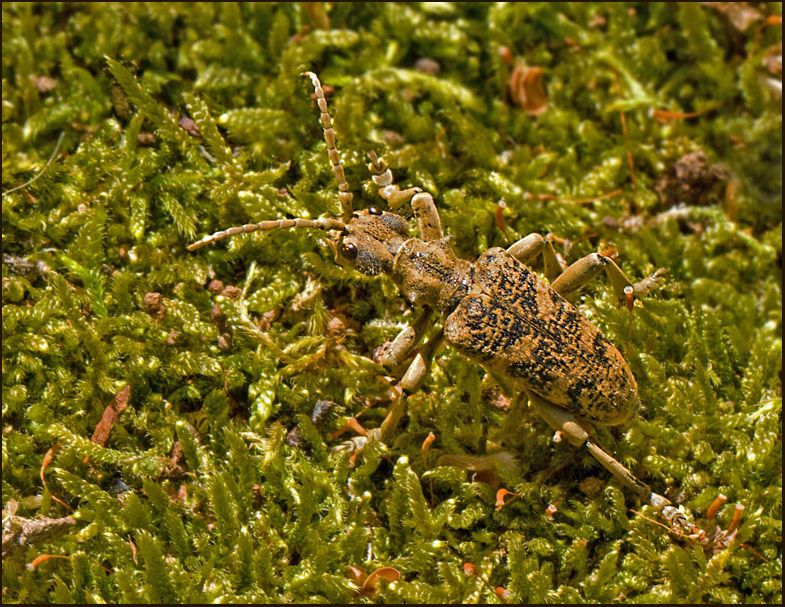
(514, 324)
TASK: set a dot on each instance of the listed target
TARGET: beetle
(495, 311)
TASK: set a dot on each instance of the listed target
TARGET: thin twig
(48, 162)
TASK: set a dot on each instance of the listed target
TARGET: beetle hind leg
(563, 421)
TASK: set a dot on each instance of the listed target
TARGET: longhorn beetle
(495, 311)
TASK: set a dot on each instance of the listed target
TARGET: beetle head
(370, 241)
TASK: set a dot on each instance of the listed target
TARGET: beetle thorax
(429, 273)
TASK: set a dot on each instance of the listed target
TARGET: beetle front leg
(411, 381)
(396, 351)
(382, 176)
(428, 221)
(416, 373)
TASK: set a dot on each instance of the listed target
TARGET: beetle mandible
(495, 311)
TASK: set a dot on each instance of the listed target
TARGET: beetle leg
(396, 351)
(622, 285)
(409, 383)
(585, 269)
(567, 280)
(415, 375)
(563, 421)
(382, 176)
(526, 249)
(428, 221)
(617, 278)
(553, 266)
(580, 273)
(648, 284)
(422, 202)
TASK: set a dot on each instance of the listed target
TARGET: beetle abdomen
(514, 324)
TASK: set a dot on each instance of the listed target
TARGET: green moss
(175, 120)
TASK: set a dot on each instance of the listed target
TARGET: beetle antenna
(315, 224)
(344, 195)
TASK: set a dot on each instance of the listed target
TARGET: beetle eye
(349, 250)
(375, 211)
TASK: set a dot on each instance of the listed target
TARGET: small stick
(48, 162)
